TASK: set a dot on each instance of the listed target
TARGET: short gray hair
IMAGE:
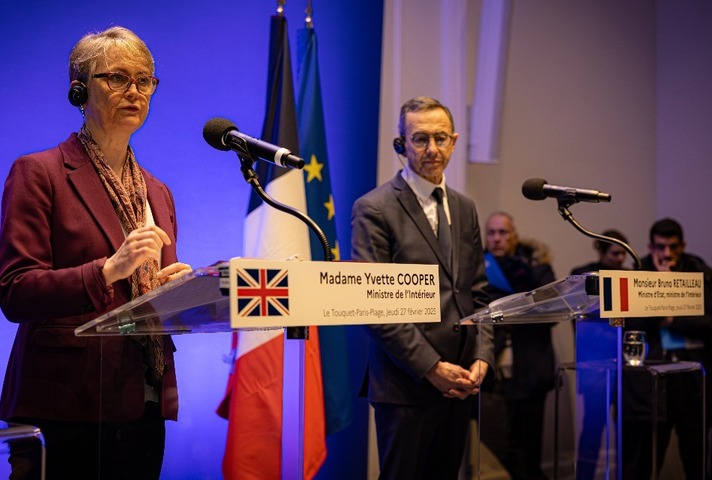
(92, 47)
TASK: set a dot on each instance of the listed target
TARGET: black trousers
(106, 451)
(422, 442)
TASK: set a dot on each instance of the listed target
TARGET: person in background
(524, 352)
(421, 378)
(671, 339)
(610, 255)
(84, 230)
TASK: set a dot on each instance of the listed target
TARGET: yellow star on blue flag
(313, 169)
(330, 209)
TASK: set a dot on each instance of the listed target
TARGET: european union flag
(320, 207)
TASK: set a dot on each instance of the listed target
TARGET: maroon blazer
(57, 229)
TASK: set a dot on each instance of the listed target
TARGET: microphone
(539, 189)
(222, 134)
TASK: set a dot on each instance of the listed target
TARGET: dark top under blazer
(389, 226)
(58, 228)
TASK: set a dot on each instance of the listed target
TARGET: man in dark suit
(421, 377)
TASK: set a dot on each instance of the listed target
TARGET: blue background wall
(211, 58)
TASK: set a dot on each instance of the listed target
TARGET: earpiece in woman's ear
(78, 94)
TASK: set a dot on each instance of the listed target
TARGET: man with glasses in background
(422, 377)
(670, 339)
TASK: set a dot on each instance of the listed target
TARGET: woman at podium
(84, 230)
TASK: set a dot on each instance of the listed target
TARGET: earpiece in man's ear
(399, 145)
(78, 94)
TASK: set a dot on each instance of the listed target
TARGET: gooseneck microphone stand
(565, 201)
(246, 162)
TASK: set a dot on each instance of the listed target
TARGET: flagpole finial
(308, 21)
(280, 7)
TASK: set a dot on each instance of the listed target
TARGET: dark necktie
(444, 234)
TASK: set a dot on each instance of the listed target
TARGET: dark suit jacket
(389, 226)
(58, 228)
(532, 350)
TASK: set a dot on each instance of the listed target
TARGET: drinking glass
(635, 348)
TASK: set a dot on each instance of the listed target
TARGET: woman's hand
(173, 271)
(140, 245)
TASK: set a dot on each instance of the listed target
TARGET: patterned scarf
(128, 196)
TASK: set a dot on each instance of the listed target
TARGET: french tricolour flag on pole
(254, 400)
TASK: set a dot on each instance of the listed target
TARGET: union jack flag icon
(262, 292)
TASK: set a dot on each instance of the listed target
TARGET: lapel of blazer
(82, 174)
(412, 207)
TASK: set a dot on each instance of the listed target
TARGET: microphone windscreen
(533, 189)
(215, 130)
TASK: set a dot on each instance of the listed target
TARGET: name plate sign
(650, 294)
(270, 293)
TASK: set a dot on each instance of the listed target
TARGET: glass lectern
(193, 303)
(592, 392)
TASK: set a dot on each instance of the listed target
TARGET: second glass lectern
(564, 299)
(598, 393)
